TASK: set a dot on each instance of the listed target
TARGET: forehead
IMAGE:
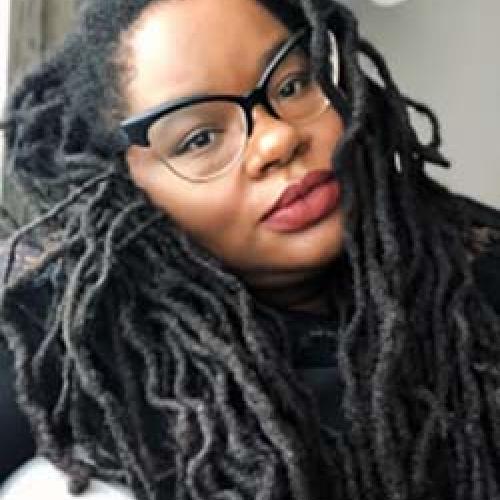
(179, 48)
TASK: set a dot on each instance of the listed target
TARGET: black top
(16, 442)
(314, 343)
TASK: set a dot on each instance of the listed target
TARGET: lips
(292, 193)
(305, 204)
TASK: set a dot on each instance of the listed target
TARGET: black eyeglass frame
(136, 128)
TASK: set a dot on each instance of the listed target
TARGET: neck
(302, 294)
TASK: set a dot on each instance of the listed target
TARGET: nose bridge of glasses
(257, 97)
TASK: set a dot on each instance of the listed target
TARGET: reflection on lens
(294, 93)
(201, 140)
(307, 104)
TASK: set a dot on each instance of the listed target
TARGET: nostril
(273, 165)
(298, 150)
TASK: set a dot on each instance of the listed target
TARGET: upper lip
(299, 189)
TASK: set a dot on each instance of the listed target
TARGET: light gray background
(447, 54)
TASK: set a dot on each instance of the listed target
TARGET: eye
(197, 140)
(294, 85)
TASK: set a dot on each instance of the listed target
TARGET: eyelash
(183, 147)
(303, 77)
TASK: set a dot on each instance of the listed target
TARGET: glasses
(201, 137)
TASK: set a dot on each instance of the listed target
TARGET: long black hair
(144, 361)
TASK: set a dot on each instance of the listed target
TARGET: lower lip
(306, 211)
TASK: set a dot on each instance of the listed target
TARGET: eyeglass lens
(202, 140)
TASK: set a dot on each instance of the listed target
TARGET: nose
(273, 143)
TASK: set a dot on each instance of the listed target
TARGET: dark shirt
(16, 442)
(314, 339)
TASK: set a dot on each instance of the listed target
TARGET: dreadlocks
(149, 364)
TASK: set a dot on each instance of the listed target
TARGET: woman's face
(181, 48)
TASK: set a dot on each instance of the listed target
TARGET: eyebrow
(266, 58)
(263, 62)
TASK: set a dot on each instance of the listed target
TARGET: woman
(244, 293)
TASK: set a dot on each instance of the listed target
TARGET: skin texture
(180, 48)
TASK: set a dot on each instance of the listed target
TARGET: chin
(297, 260)
(314, 247)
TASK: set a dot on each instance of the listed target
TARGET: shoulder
(15, 435)
(17, 444)
(38, 479)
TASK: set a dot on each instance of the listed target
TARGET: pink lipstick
(304, 204)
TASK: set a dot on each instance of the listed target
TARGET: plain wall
(4, 65)
(446, 53)
(57, 17)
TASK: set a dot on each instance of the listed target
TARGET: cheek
(327, 133)
(212, 216)
(211, 220)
